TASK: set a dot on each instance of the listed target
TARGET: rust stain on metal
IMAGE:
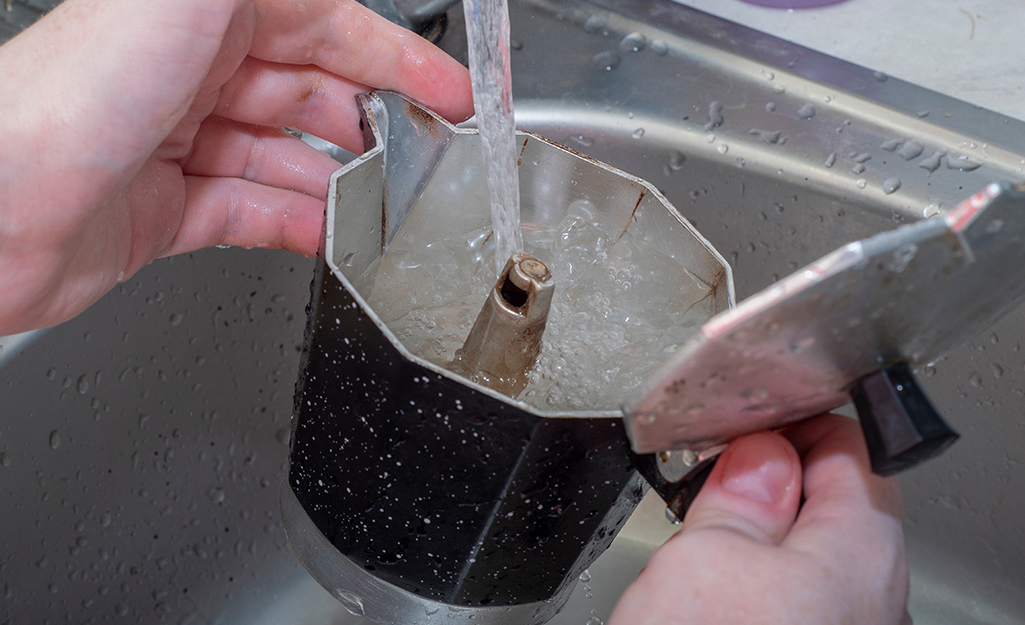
(384, 218)
(640, 198)
(522, 151)
(422, 119)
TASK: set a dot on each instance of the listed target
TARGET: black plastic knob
(902, 428)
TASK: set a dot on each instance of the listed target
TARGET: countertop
(970, 50)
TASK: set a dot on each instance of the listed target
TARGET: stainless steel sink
(142, 444)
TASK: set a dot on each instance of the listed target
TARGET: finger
(850, 516)
(754, 490)
(346, 39)
(307, 97)
(269, 156)
(231, 211)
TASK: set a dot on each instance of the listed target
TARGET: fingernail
(758, 468)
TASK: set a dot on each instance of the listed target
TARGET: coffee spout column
(505, 341)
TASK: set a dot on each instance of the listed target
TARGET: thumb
(754, 490)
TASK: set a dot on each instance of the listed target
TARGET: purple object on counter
(793, 4)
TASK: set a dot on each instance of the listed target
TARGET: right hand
(751, 553)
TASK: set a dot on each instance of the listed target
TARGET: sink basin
(142, 445)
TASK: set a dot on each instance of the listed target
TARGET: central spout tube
(505, 341)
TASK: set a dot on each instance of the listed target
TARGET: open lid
(799, 347)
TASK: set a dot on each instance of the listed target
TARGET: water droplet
(880, 77)
(607, 61)
(594, 24)
(5, 459)
(803, 344)
(858, 169)
(830, 160)
(961, 163)
(676, 160)
(660, 47)
(637, 134)
(827, 98)
(995, 226)
(215, 495)
(585, 576)
(583, 140)
(998, 371)
(931, 210)
(769, 137)
(223, 247)
(778, 88)
(715, 117)
(890, 185)
(902, 257)
(932, 163)
(807, 111)
(175, 319)
(770, 107)
(351, 602)
(82, 385)
(890, 145)
(975, 380)
(710, 137)
(634, 42)
(722, 149)
(861, 183)
(911, 150)
(594, 620)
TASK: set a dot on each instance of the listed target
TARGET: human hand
(134, 130)
(748, 555)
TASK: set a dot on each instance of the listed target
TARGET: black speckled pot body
(436, 487)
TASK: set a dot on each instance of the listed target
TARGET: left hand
(134, 130)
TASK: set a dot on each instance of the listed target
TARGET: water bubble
(634, 42)
(606, 60)
(637, 134)
(55, 439)
(807, 111)
(660, 47)
(890, 185)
